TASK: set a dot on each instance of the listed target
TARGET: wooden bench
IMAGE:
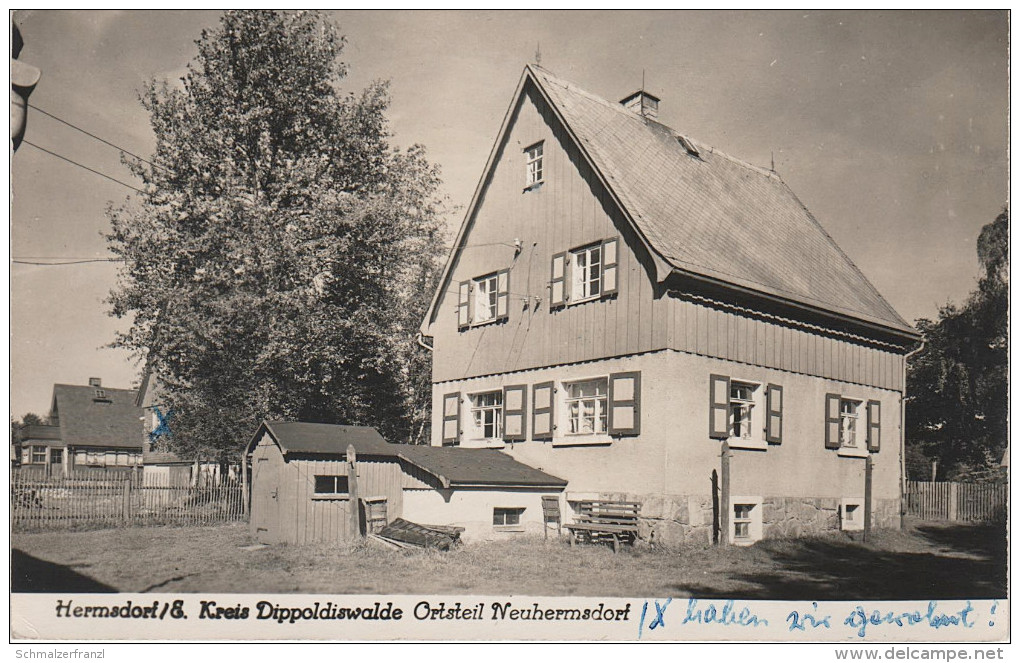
(605, 521)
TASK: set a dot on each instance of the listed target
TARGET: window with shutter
(502, 294)
(609, 271)
(464, 305)
(558, 281)
(832, 421)
(625, 403)
(874, 426)
(542, 411)
(451, 419)
(515, 413)
(719, 406)
(774, 414)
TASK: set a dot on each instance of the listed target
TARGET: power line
(68, 262)
(92, 135)
(91, 170)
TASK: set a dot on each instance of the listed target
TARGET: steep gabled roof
(707, 214)
(86, 420)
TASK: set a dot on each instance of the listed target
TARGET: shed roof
(453, 466)
(111, 421)
(460, 467)
(708, 214)
(299, 437)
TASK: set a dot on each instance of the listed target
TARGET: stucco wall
(472, 510)
(674, 456)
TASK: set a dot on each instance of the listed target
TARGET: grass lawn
(928, 560)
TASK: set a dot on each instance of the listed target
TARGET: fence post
(953, 491)
(868, 467)
(724, 498)
(127, 501)
(352, 489)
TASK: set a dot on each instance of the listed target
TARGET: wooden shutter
(610, 258)
(719, 406)
(558, 281)
(874, 426)
(832, 421)
(542, 411)
(451, 419)
(502, 294)
(774, 414)
(464, 305)
(625, 403)
(515, 413)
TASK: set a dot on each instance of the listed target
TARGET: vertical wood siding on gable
(571, 209)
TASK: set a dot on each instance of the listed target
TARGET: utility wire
(92, 135)
(69, 262)
(91, 170)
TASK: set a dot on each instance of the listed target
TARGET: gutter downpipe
(422, 343)
(903, 436)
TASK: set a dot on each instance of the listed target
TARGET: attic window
(100, 394)
(688, 145)
(534, 165)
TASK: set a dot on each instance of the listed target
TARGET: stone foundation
(673, 520)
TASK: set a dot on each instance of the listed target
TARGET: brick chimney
(642, 103)
(95, 382)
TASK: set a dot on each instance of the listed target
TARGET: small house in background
(639, 313)
(161, 465)
(301, 490)
(91, 428)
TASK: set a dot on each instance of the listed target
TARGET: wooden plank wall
(327, 520)
(705, 330)
(570, 210)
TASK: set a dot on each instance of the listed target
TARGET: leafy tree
(276, 265)
(32, 419)
(958, 382)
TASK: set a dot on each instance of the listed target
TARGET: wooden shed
(299, 483)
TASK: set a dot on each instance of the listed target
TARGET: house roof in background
(452, 466)
(87, 421)
(40, 432)
(713, 215)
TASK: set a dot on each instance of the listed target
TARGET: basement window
(851, 515)
(507, 519)
(746, 523)
(331, 486)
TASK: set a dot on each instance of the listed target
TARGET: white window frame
(854, 506)
(495, 409)
(600, 403)
(859, 448)
(582, 278)
(755, 438)
(534, 169)
(34, 451)
(485, 299)
(504, 511)
(753, 521)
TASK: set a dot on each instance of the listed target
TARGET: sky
(891, 127)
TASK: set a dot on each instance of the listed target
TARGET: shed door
(266, 469)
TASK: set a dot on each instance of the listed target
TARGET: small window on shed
(330, 484)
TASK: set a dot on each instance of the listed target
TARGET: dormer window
(533, 165)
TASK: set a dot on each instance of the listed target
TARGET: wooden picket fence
(118, 500)
(949, 500)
